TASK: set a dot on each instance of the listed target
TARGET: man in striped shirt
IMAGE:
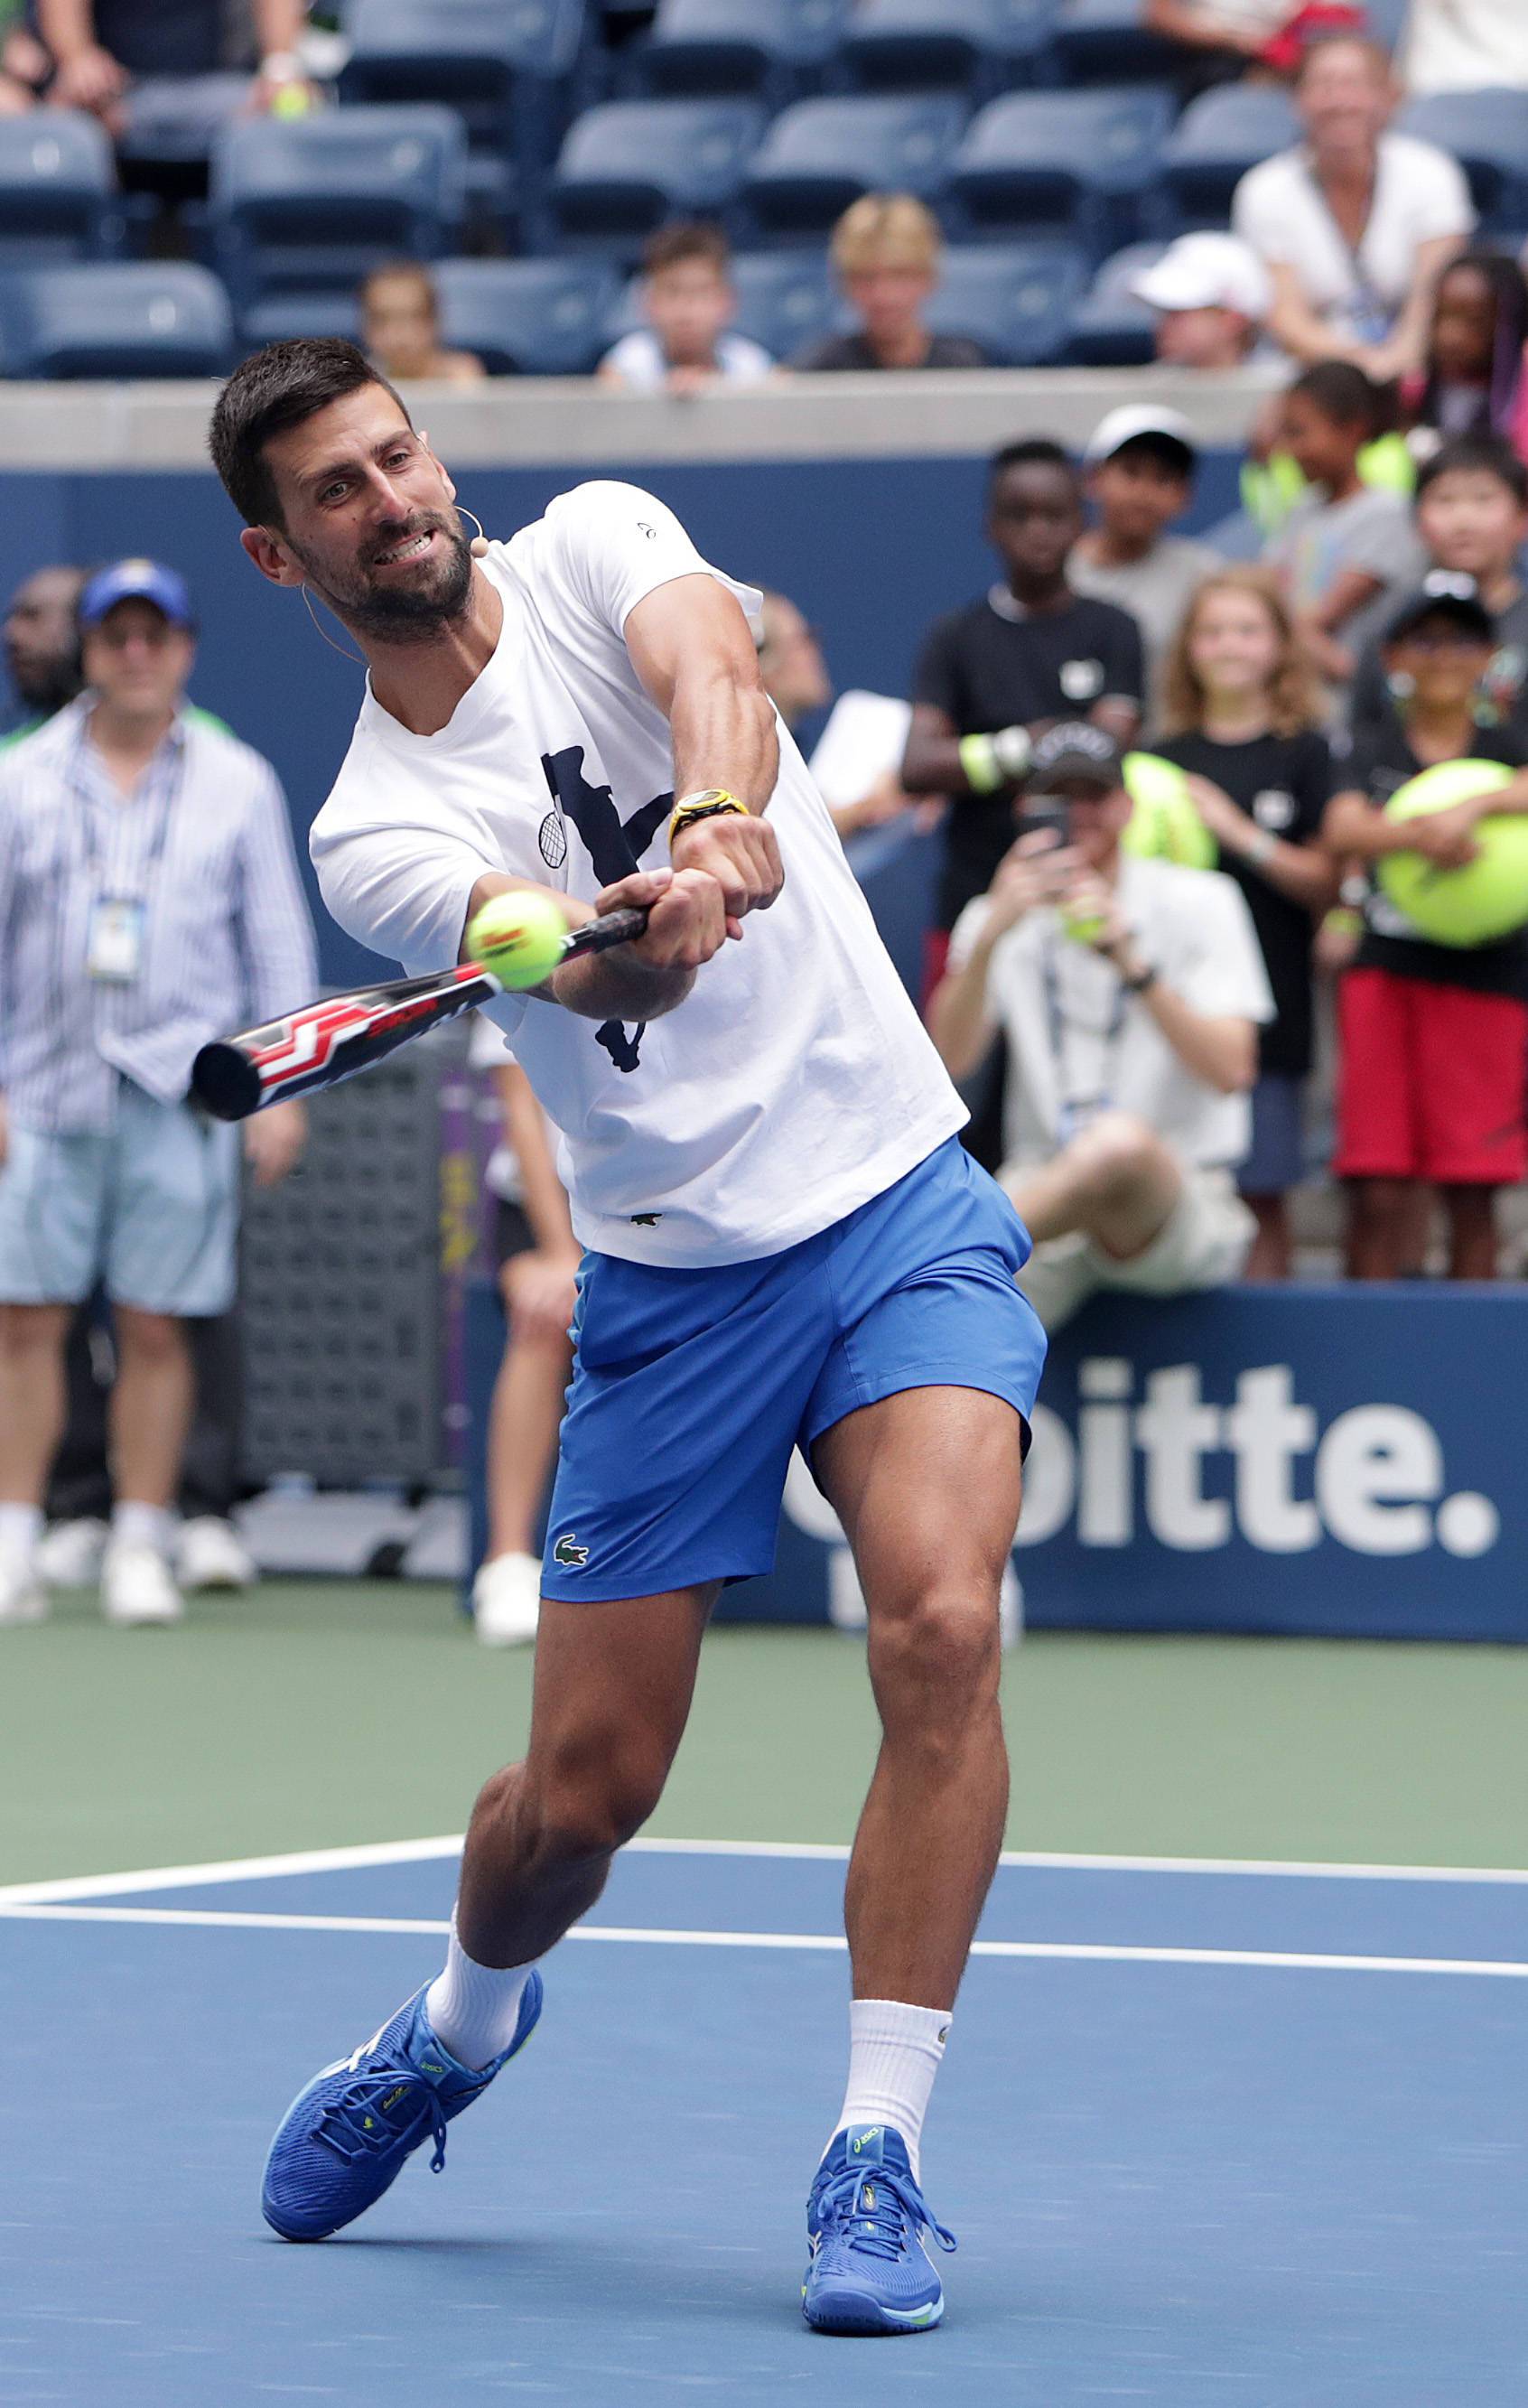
(149, 899)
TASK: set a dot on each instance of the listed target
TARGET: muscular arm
(691, 646)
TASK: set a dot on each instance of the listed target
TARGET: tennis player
(785, 1245)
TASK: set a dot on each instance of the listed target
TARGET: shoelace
(875, 2208)
(352, 2120)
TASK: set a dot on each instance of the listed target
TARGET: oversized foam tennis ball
(518, 937)
(1487, 898)
(1164, 825)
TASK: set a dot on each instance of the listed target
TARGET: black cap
(1443, 595)
(1076, 752)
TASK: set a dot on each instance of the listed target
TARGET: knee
(1116, 1155)
(151, 1338)
(31, 1331)
(937, 1658)
(594, 1795)
(1382, 1203)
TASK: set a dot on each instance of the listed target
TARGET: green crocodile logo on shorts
(569, 1553)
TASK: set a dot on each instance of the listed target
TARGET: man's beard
(46, 686)
(401, 614)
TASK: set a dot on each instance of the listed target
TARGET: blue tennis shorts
(691, 1387)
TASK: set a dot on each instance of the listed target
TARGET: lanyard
(1074, 1112)
(79, 782)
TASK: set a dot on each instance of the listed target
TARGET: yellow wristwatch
(710, 803)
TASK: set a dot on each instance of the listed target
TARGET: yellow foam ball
(1164, 825)
(1485, 901)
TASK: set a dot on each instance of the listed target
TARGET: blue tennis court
(1207, 2133)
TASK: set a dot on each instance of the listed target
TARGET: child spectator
(1472, 514)
(1139, 476)
(1433, 1038)
(1474, 381)
(689, 303)
(1212, 295)
(886, 251)
(1346, 548)
(400, 327)
(1241, 715)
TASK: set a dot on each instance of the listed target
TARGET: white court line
(637, 1935)
(404, 1852)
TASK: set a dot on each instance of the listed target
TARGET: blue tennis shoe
(344, 2139)
(867, 2229)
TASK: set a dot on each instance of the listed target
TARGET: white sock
(20, 1527)
(894, 2053)
(142, 1526)
(473, 2009)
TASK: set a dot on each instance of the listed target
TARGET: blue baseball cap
(136, 580)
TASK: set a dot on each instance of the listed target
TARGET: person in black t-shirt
(1434, 1038)
(886, 251)
(1242, 707)
(994, 676)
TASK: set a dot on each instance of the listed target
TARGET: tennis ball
(518, 937)
(1164, 825)
(291, 100)
(1487, 898)
(1082, 926)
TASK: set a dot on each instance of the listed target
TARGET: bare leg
(1471, 1214)
(927, 1484)
(526, 1414)
(613, 1684)
(32, 1340)
(1381, 1216)
(1118, 1182)
(1271, 1249)
(151, 1406)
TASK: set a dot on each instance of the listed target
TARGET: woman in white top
(1356, 223)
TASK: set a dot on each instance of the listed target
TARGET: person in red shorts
(1433, 1038)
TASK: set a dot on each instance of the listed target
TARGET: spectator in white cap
(1140, 463)
(1211, 295)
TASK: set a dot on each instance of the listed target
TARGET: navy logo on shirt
(553, 838)
(614, 845)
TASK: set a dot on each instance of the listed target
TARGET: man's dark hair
(1035, 452)
(1484, 455)
(274, 389)
(675, 246)
(1346, 397)
(1165, 452)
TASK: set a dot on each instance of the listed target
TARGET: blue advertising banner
(1342, 1461)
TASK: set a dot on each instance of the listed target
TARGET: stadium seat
(976, 46)
(285, 316)
(1107, 41)
(1214, 141)
(504, 65)
(1016, 299)
(1486, 132)
(768, 48)
(1083, 159)
(115, 318)
(527, 317)
(822, 155)
(314, 202)
(58, 190)
(786, 299)
(628, 165)
(1110, 328)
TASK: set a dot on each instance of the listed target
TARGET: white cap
(1207, 271)
(1126, 426)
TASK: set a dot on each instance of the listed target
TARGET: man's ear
(271, 556)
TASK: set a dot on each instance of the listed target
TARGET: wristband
(1142, 979)
(993, 761)
(710, 803)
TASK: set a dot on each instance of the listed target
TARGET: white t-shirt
(1077, 1044)
(1419, 193)
(1465, 45)
(639, 360)
(797, 1081)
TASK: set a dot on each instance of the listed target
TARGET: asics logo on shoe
(569, 1553)
(863, 2140)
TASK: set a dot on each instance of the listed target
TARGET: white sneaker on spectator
(137, 1586)
(506, 1600)
(22, 1596)
(211, 1555)
(69, 1553)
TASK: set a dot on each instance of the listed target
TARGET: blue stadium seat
(822, 155)
(1108, 41)
(527, 317)
(979, 46)
(115, 318)
(1218, 137)
(1083, 159)
(769, 48)
(1016, 299)
(316, 201)
(58, 190)
(786, 299)
(285, 316)
(1110, 328)
(628, 165)
(504, 65)
(1486, 132)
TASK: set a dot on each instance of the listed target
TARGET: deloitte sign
(1343, 1460)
